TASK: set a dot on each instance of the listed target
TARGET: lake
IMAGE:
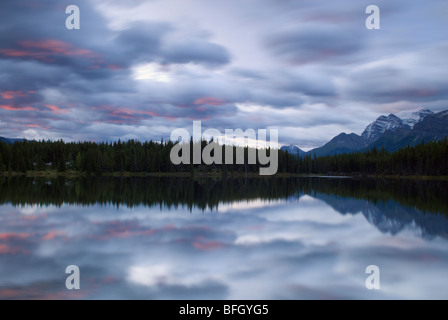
(170, 238)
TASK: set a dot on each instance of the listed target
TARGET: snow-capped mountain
(376, 129)
(433, 127)
(412, 118)
(391, 132)
(404, 120)
(292, 149)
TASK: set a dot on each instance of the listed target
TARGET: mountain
(393, 140)
(292, 149)
(412, 118)
(390, 132)
(10, 141)
(343, 143)
(404, 120)
(6, 140)
(376, 129)
(389, 217)
(433, 127)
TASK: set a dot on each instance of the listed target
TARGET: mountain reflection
(390, 205)
(168, 238)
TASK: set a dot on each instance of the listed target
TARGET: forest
(207, 193)
(89, 158)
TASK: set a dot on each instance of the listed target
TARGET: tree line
(426, 159)
(122, 156)
(207, 193)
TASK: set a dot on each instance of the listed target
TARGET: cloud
(211, 101)
(46, 50)
(314, 45)
(200, 244)
(196, 51)
(391, 80)
(52, 235)
(11, 235)
(140, 70)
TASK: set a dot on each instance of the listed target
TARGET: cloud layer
(142, 68)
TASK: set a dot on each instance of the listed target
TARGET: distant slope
(434, 125)
(292, 149)
(394, 140)
(343, 143)
(9, 140)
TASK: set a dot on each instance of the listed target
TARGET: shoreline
(77, 174)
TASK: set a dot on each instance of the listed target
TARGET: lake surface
(168, 238)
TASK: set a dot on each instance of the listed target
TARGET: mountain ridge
(342, 143)
(391, 132)
(294, 150)
(9, 140)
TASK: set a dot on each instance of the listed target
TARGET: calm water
(256, 239)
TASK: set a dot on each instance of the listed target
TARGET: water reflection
(255, 239)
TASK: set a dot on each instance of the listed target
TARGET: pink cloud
(121, 115)
(211, 101)
(9, 95)
(56, 110)
(123, 232)
(113, 67)
(207, 245)
(119, 230)
(12, 108)
(109, 280)
(56, 47)
(34, 217)
(53, 234)
(14, 53)
(201, 108)
(170, 118)
(8, 236)
(5, 249)
(47, 50)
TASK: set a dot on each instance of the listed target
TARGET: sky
(139, 69)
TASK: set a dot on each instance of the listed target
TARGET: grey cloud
(247, 74)
(395, 81)
(314, 45)
(142, 41)
(196, 51)
(310, 82)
